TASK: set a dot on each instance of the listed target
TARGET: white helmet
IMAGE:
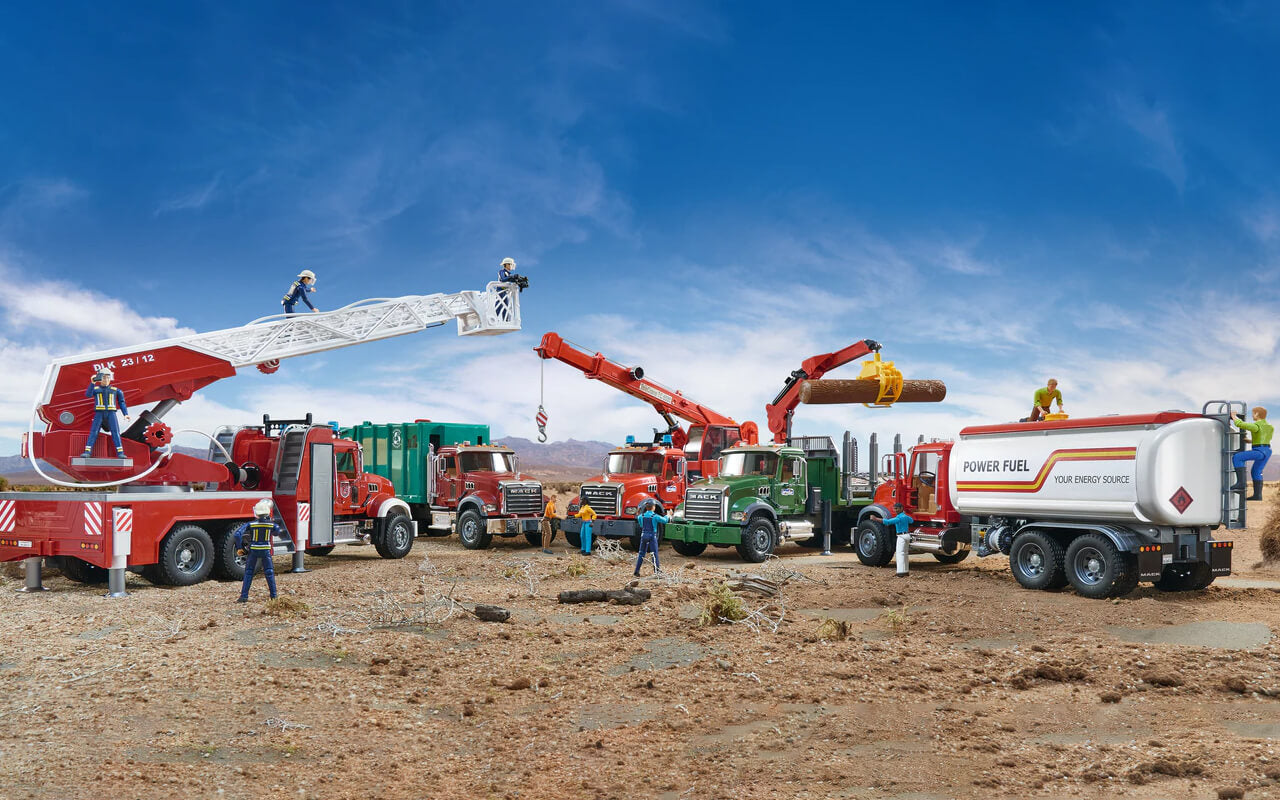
(106, 373)
(508, 262)
(306, 273)
(262, 508)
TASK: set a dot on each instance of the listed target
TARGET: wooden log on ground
(623, 597)
(492, 613)
(824, 392)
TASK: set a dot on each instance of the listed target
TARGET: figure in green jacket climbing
(1042, 399)
(1260, 432)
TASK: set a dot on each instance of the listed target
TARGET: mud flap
(1152, 560)
(1218, 554)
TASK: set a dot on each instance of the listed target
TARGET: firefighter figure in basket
(107, 399)
(649, 519)
(1260, 431)
(256, 542)
(298, 292)
(507, 274)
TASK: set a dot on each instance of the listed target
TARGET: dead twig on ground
(517, 567)
(102, 671)
(610, 550)
(285, 725)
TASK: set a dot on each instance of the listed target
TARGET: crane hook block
(268, 367)
(889, 378)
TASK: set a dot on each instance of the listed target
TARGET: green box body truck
(454, 478)
(767, 494)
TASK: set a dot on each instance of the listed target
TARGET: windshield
(631, 463)
(733, 465)
(487, 461)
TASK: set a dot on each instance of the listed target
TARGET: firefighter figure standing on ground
(298, 292)
(507, 274)
(1260, 432)
(1043, 398)
(107, 399)
(649, 520)
(257, 543)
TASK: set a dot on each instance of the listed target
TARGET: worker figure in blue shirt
(900, 519)
(507, 274)
(298, 292)
(649, 520)
(257, 543)
(107, 399)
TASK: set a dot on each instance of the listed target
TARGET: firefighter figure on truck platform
(1042, 399)
(586, 514)
(507, 274)
(256, 542)
(1260, 432)
(298, 292)
(649, 519)
(107, 399)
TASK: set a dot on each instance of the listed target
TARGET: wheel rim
(1031, 560)
(400, 535)
(191, 556)
(867, 542)
(1089, 565)
(468, 532)
(241, 561)
(759, 540)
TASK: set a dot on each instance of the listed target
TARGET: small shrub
(721, 605)
(576, 569)
(898, 618)
(1269, 541)
(284, 607)
(833, 630)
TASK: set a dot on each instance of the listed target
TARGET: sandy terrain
(953, 682)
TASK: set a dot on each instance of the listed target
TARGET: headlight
(738, 516)
(574, 508)
(629, 510)
(490, 507)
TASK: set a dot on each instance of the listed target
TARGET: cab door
(789, 488)
(671, 487)
(348, 490)
(447, 480)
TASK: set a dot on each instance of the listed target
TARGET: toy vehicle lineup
(1100, 504)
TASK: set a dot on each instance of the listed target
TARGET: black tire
(323, 550)
(535, 537)
(759, 538)
(632, 542)
(1184, 577)
(872, 543)
(1036, 560)
(689, 549)
(471, 530)
(952, 558)
(394, 537)
(227, 566)
(82, 571)
(1097, 569)
(186, 556)
(574, 539)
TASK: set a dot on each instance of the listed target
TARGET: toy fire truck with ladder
(659, 470)
(173, 515)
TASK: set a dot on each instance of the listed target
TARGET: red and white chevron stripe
(304, 512)
(122, 520)
(8, 515)
(93, 519)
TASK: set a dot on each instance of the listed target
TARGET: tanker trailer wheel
(471, 530)
(688, 549)
(952, 558)
(82, 571)
(1036, 561)
(1184, 577)
(758, 540)
(228, 566)
(1096, 568)
(394, 537)
(873, 544)
(186, 556)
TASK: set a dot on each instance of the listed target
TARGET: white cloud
(191, 200)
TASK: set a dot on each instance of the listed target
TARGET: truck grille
(702, 506)
(523, 498)
(604, 500)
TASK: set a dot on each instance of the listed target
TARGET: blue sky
(716, 191)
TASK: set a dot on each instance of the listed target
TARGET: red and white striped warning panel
(93, 519)
(122, 520)
(304, 512)
(304, 523)
(8, 515)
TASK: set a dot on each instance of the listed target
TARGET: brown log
(865, 391)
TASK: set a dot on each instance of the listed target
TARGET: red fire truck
(169, 515)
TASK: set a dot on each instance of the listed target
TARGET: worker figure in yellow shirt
(548, 517)
(1043, 398)
(586, 514)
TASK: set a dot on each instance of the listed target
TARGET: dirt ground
(951, 683)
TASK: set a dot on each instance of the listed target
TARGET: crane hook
(541, 417)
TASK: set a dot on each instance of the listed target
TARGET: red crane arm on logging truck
(667, 402)
(782, 408)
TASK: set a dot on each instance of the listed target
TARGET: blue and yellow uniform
(649, 537)
(106, 401)
(257, 541)
(297, 294)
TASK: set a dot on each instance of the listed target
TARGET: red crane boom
(782, 408)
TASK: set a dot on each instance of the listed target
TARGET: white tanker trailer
(1101, 503)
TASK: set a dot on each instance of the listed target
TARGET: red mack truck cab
(479, 490)
(632, 474)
